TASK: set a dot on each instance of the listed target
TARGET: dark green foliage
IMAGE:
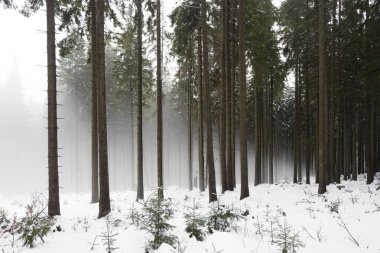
(157, 213)
(195, 222)
(221, 217)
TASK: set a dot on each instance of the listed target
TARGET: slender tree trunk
(222, 156)
(233, 102)
(270, 131)
(53, 203)
(104, 197)
(189, 124)
(160, 180)
(243, 114)
(347, 161)
(258, 129)
(94, 112)
(140, 171)
(208, 104)
(368, 107)
(230, 176)
(308, 139)
(354, 138)
(322, 99)
(296, 127)
(200, 106)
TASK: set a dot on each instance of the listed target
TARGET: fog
(23, 146)
(23, 133)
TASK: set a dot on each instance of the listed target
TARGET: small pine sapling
(287, 240)
(93, 243)
(334, 206)
(134, 216)
(36, 223)
(195, 222)
(221, 217)
(156, 213)
(108, 237)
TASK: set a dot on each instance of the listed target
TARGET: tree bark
(223, 98)
(53, 202)
(258, 136)
(94, 112)
(140, 172)
(200, 105)
(160, 180)
(322, 99)
(243, 104)
(104, 197)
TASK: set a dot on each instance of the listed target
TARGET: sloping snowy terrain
(320, 221)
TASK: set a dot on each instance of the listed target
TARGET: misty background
(23, 134)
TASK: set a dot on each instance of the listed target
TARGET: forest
(194, 126)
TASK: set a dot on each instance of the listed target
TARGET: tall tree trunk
(200, 105)
(94, 110)
(322, 99)
(297, 150)
(140, 171)
(104, 197)
(258, 114)
(270, 131)
(53, 203)
(222, 156)
(160, 181)
(189, 124)
(354, 138)
(308, 134)
(232, 94)
(243, 104)
(230, 175)
(368, 107)
(208, 104)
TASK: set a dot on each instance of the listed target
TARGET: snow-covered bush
(157, 213)
(36, 224)
(195, 222)
(134, 216)
(221, 217)
(334, 206)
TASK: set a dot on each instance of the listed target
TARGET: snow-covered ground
(298, 206)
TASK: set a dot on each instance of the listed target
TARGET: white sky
(23, 50)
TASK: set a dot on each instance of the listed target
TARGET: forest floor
(345, 219)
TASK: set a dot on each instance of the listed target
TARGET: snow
(296, 204)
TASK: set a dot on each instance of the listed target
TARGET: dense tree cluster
(233, 57)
